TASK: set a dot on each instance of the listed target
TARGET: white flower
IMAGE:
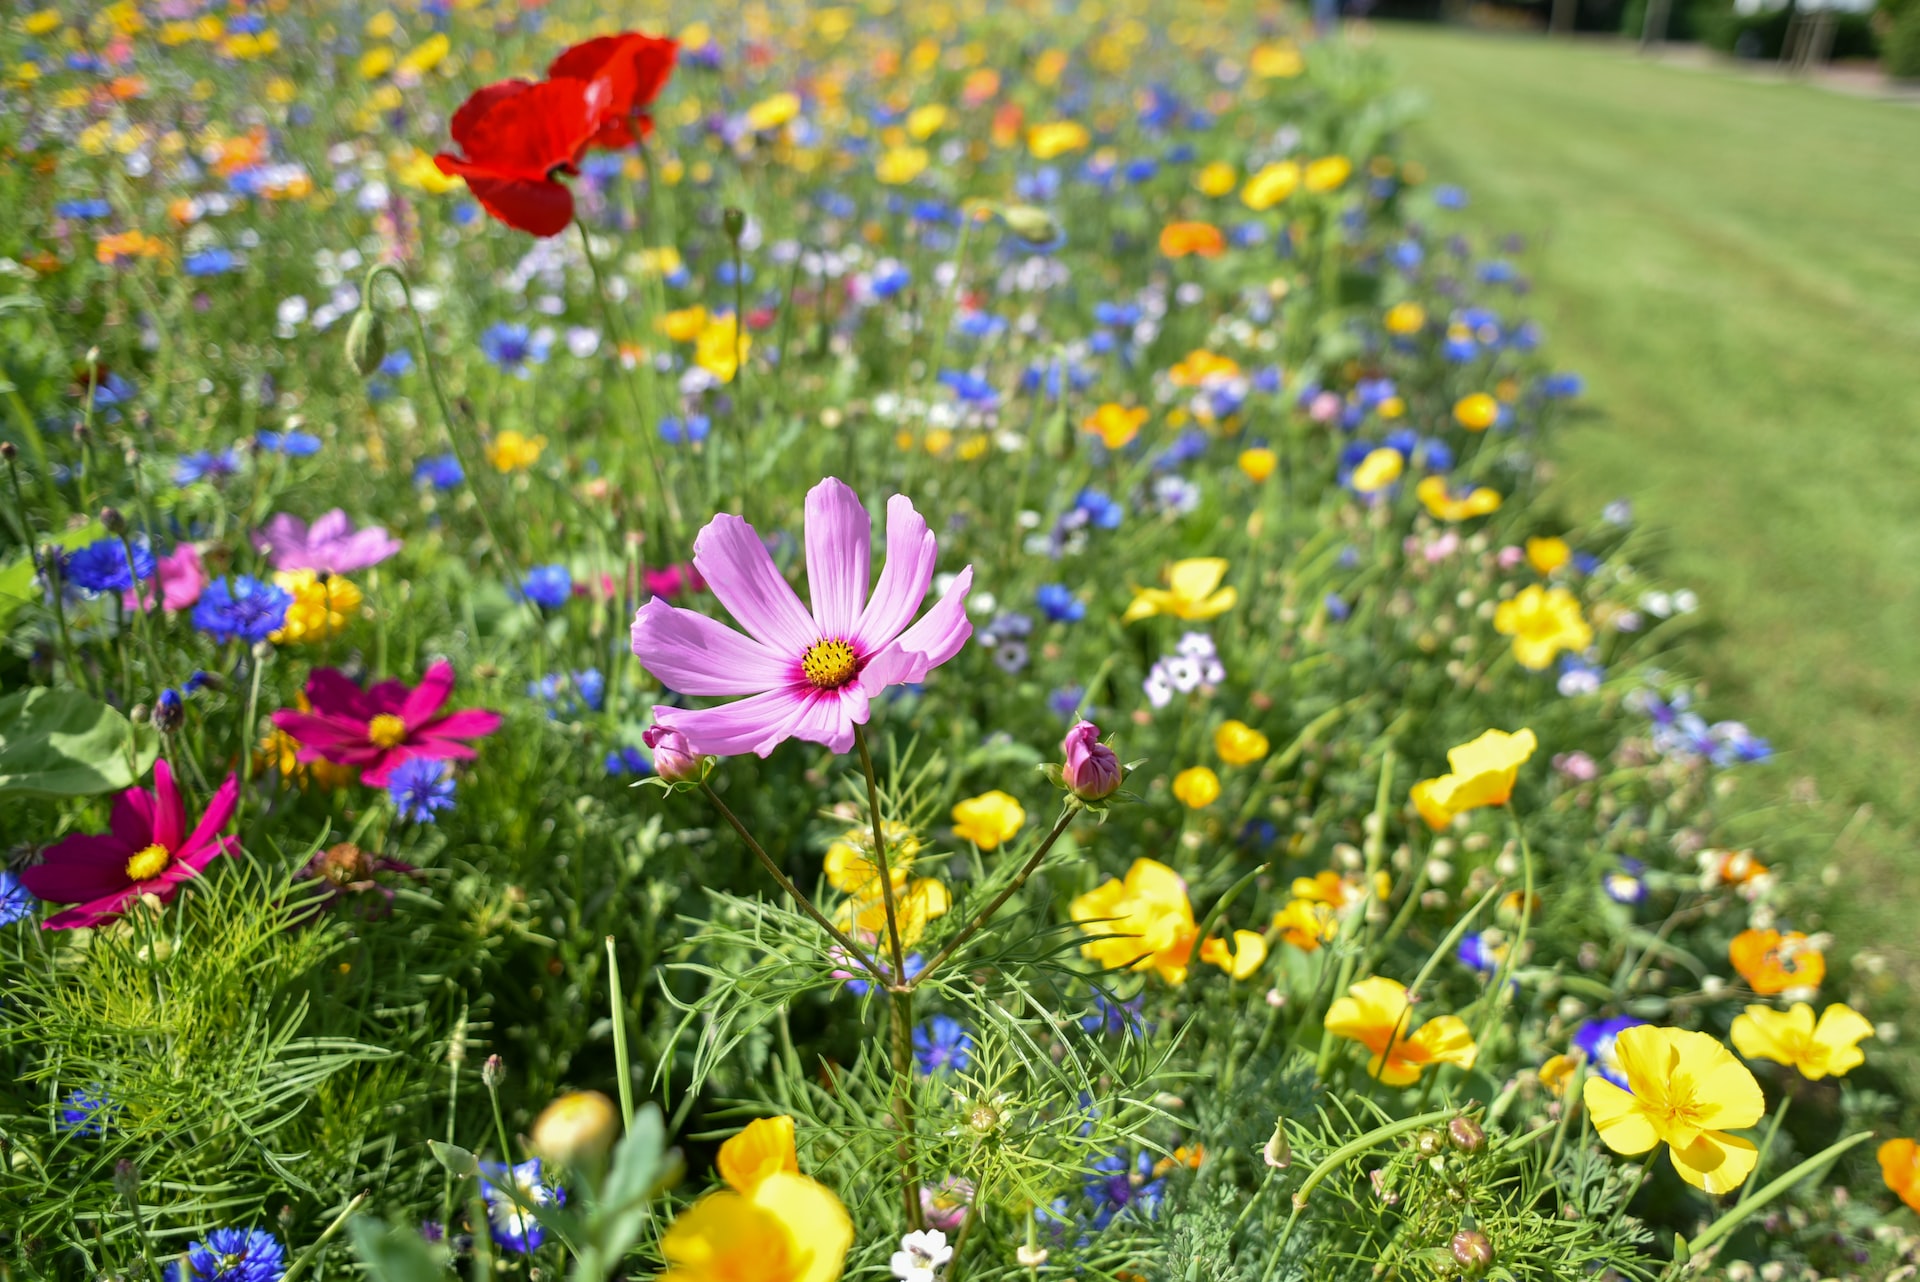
(921, 1256)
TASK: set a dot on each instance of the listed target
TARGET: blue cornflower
(514, 348)
(1337, 607)
(1101, 511)
(1579, 677)
(1595, 1039)
(512, 1227)
(241, 607)
(1065, 701)
(1059, 604)
(1562, 386)
(1118, 1185)
(420, 787)
(628, 761)
(15, 900)
(970, 389)
(688, 431)
(397, 362)
(548, 586)
(101, 566)
(1115, 1017)
(942, 1045)
(206, 465)
(591, 686)
(94, 208)
(441, 471)
(232, 1255)
(859, 986)
(209, 262)
(85, 1111)
(1447, 196)
(292, 444)
(1476, 953)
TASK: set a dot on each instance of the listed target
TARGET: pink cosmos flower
(147, 850)
(672, 580)
(378, 728)
(1092, 771)
(182, 577)
(329, 546)
(809, 674)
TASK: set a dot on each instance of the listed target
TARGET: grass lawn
(1734, 264)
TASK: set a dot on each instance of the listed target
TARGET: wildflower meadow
(762, 642)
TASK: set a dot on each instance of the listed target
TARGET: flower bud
(1030, 1257)
(493, 1072)
(126, 1179)
(9, 451)
(1030, 223)
(734, 220)
(366, 341)
(1278, 1153)
(1471, 1250)
(114, 521)
(1467, 1135)
(1092, 771)
(577, 1130)
(673, 757)
(168, 712)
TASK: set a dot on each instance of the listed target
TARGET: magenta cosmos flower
(378, 728)
(809, 674)
(147, 850)
(329, 546)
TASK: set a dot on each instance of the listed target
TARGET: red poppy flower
(517, 136)
(149, 849)
(634, 68)
(379, 728)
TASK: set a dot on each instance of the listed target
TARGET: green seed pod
(366, 341)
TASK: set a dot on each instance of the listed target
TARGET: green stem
(306, 1257)
(643, 429)
(620, 1060)
(1011, 889)
(1766, 1146)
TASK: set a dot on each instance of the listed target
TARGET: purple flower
(1092, 771)
(329, 546)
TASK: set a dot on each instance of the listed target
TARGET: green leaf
(394, 1254)
(61, 743)
(456, 1159)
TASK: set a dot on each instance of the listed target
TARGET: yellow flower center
(149, 862)
(829, 664)
(387, 731)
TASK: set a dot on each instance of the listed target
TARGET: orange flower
(1177, 240)
(1771, 962)
(1900, 1168)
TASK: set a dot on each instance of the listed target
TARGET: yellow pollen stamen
(387, 731)
(829, 664)
(149, 862)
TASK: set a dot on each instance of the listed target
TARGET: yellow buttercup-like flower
(771, 113)
(1216, 179)
(721, 346)
(1147, 918)
(900, 165)
(1197, 787)
(924, 122)
(763, 1148)
(1116, 425)
(1684, 1090)
(1443, 506)
(1057, 138)
(1242, 959)
(1548, 554)
(1306, 924)
(322, 606)
(1271, 185)
(1379, 469)
(1477, 412)
(1542, 623)
(914, 905)
(1483, 774)
(1193, 591)
(1258, 463)
(1827, 1048)
(684, 324)
(1406, 319)
(1239, 744)
(1280, 61)
(513, 451)
(1326, 174)
(1377, 1013)
(988, 819)
(788, 1229)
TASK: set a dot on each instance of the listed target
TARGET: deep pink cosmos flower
(1092, 771)
(329, 546)
(672, 581)
(809, 675)
(379, 728)
(147, 850)
(182, 577)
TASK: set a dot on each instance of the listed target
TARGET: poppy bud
(1092, 771)
(493, 1072)
(673, 757)
(366, 341)
(1467, 1135)
(1471, 1250)
(576, 1130)
(734, 219)
(9, 451)
(113, 520)
(126, 1179)
(1030, 223)
(168, 712)
(1278, 1153)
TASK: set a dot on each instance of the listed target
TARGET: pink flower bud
(673, 757)
(1092, 771)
